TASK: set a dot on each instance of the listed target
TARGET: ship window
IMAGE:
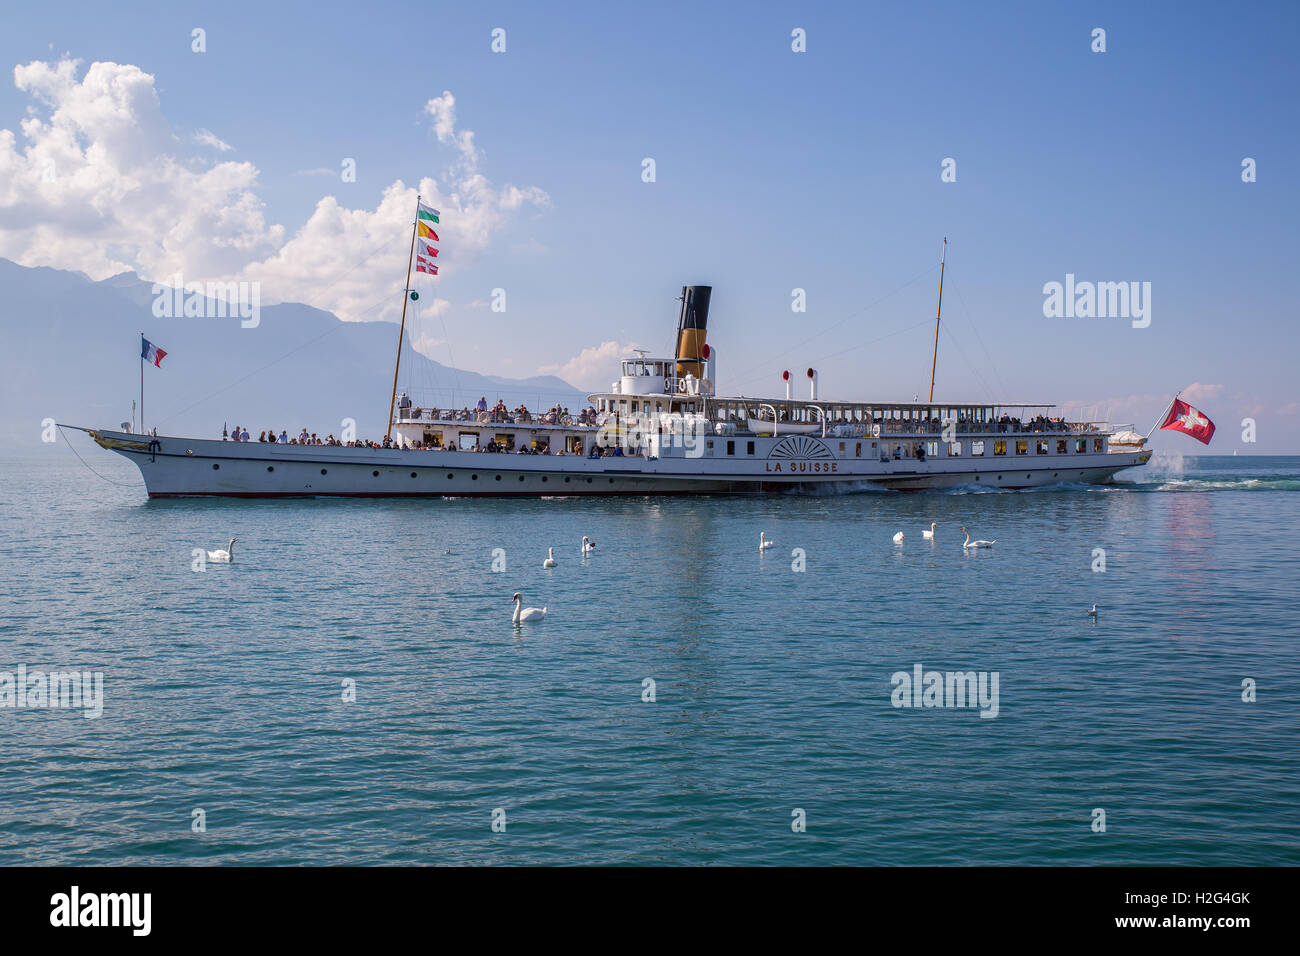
(749, 448)
(954, 450)
(1022, 448)
(857, 450)
(932, 449)
(977, 449)
(1040, 446)
(1096, 445)
(1000, 447)
(841, 448)
(1080, 445)
(1060, 446)
(731, 448)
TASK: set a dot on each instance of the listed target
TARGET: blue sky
(779, 170)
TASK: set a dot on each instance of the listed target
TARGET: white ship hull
(179, 467)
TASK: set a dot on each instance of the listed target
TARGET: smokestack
(785, 377)
(691, 329)
(812, 379)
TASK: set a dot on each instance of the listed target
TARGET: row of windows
(1042, 446)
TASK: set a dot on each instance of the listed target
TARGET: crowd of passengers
(1007, 423)
(499, 414)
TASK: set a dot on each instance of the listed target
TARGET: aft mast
(934, 361)
(401, 334)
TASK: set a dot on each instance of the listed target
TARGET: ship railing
(451, 416)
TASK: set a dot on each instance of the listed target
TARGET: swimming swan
(550, 558)
(976, 544)
(588, 545)
(527, 613)
(223, 557)
(930, 534)
(763, 543)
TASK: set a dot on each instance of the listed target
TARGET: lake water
(223, 691)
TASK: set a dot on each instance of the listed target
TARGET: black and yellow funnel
(691, 328)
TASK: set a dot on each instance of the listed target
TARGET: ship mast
(935, 359)
(401, 334)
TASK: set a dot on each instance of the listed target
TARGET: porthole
(566, 480)
(451, 475)
(1026, 476)
(521, 477)
(543, 477)
(588, 481)
(215, 466)
(270, 467)
(375, 473)
(324, 471)
(473, 477)
(999, 477)
(611, 481)
(498, 477)
(412, 474)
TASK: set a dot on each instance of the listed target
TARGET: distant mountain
(69, 350)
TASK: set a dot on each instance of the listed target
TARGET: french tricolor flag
(151, 353)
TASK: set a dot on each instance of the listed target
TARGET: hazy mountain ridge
(71, 352)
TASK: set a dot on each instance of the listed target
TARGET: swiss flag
(1183, 418)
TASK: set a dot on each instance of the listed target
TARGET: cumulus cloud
(100, 184)
(592, 368)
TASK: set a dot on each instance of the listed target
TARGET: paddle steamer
(661, 428)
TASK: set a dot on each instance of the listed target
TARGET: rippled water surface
(223, 690)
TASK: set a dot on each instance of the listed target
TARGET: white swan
(223, 556)
(526, 613)
(550, 558)
(976, 544)
(763, 543)
(930, 534)
(1093, 612)
(588, 545)
(898, 538)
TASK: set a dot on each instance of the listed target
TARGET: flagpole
(401, 334)
(142, 382)
(1163, 414)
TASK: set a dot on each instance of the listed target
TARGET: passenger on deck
(284, 437)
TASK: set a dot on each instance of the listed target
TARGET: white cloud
(208, 138)
(592, 368)
(98, 185)
(101, 185)
(443, 110)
